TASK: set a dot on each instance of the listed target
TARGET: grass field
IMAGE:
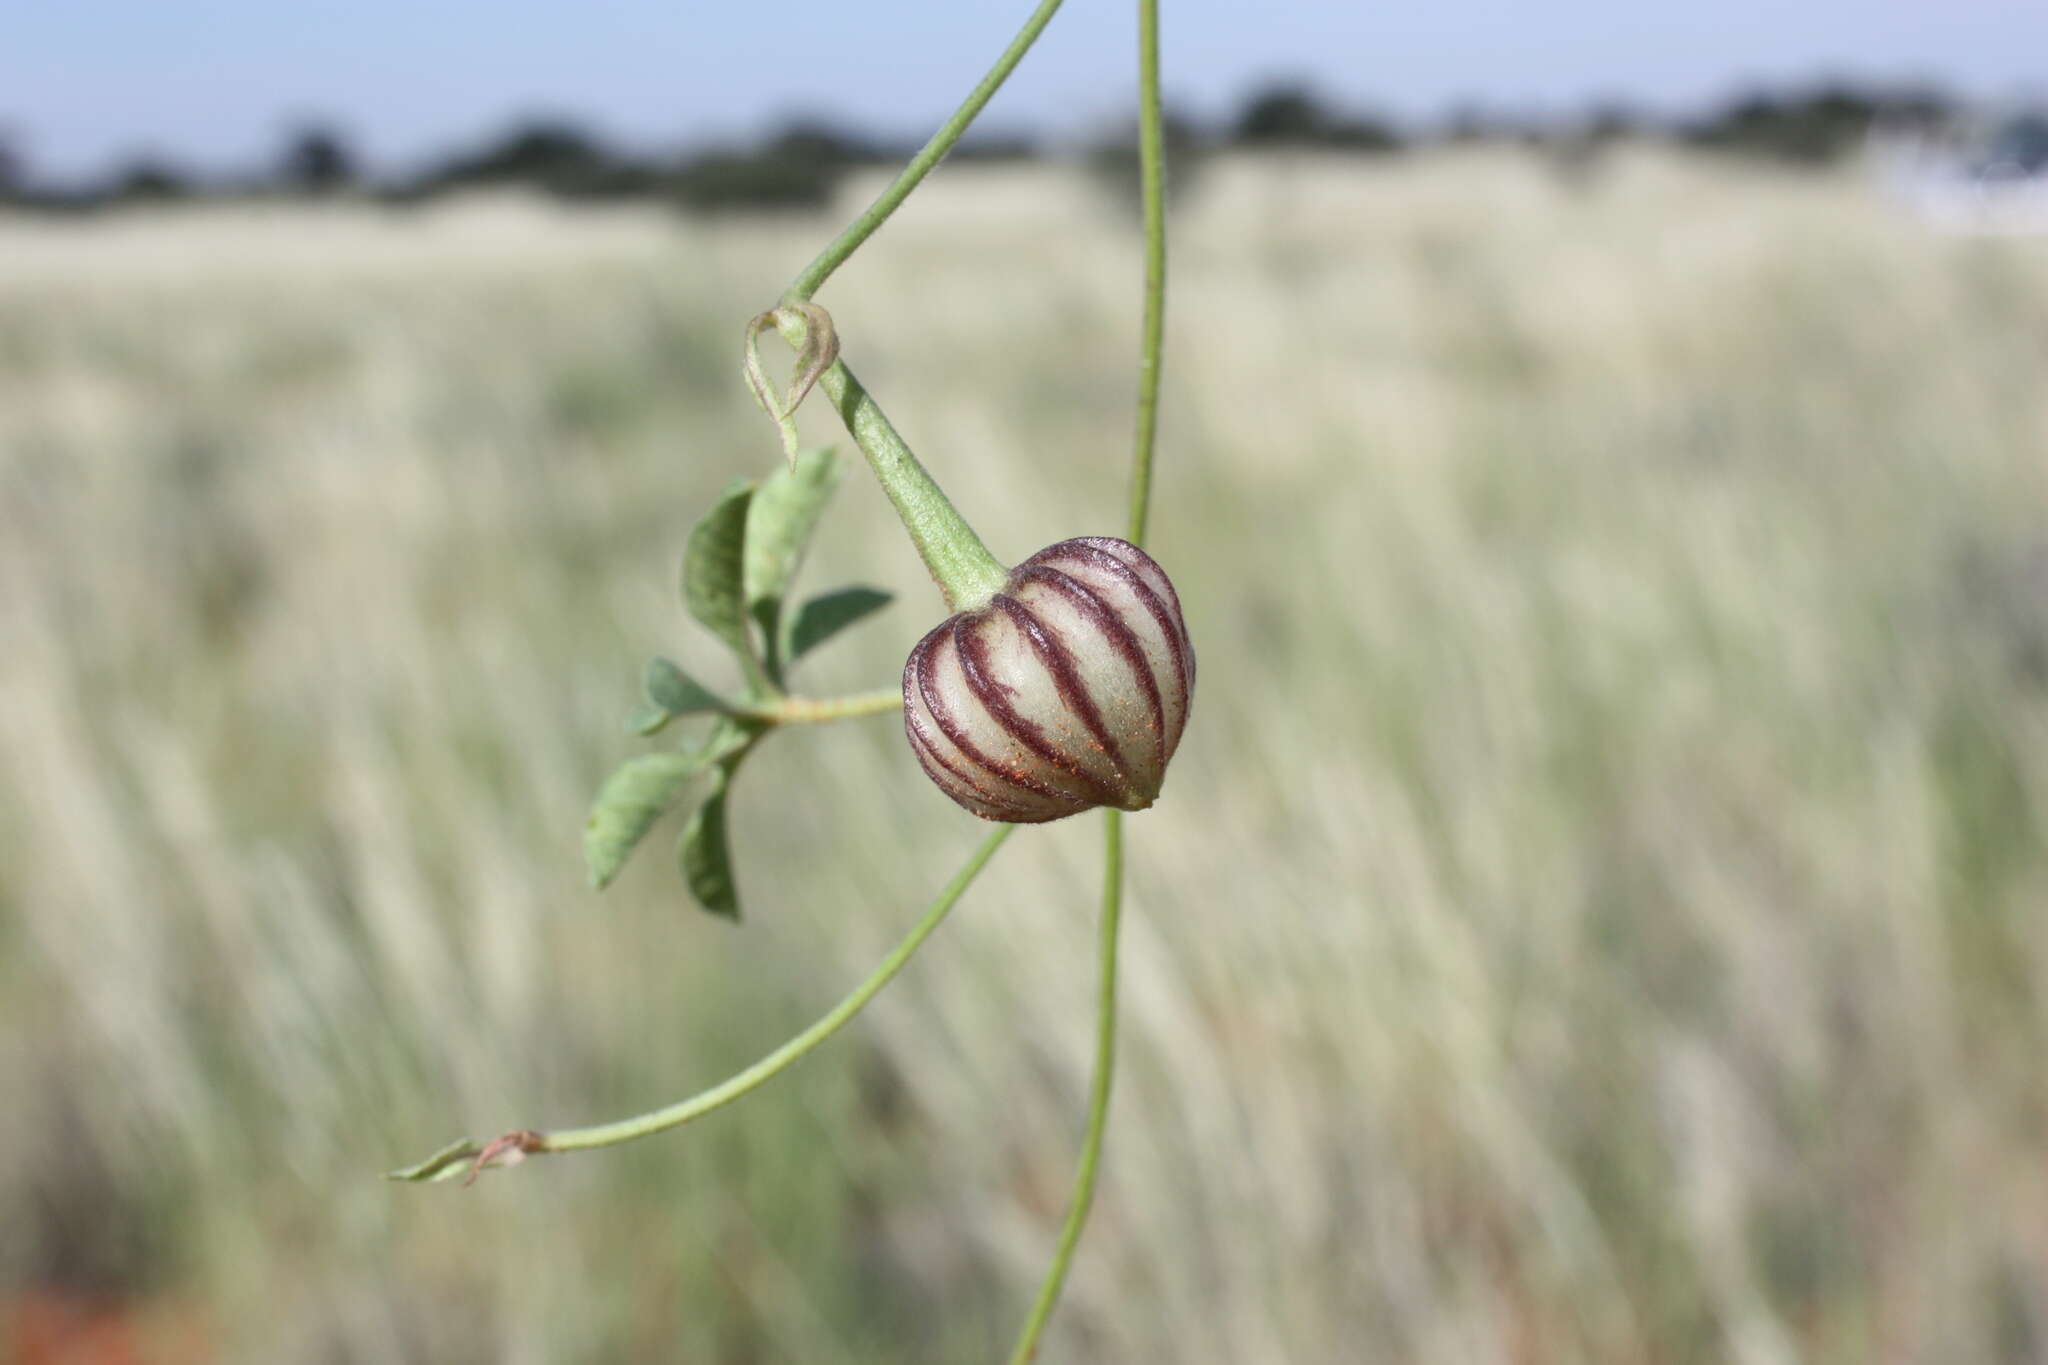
(1599, 912)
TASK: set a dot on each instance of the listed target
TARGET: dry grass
(1596, 916)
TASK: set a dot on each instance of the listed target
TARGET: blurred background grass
(1596, 914)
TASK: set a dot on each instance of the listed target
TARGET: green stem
(1098, 1101)
(778, 1061)
(1151, 350)
(967, 574)
(459, 1157)
(816, 710)
(835, 255)
(1152, 162)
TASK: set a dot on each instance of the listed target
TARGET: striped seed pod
(1068, 691)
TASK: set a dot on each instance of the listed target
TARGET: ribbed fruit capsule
(1069, 690)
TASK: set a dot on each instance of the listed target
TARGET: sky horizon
(213, 86)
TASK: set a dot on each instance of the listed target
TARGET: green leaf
(676, 692)
(781, 520)
(670, 692)
(647, 719)
(825, 615)
(706, 858)
(713, 569)
(632, 799)
(445, 1164)
(726, 742)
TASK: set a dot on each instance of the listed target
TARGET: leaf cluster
(738, 567)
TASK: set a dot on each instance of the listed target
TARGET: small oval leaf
(782, 518)
(647, 719)
(676, 692)
(632, 799)
(445, 1164)
(706, 858)
(825, 615)
(713, 569)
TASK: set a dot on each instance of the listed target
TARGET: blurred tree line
(799, 165)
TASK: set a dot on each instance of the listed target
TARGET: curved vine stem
(846, 243)
(966, 573)
(1152, 348)
(1098, 1099)
(469, 1156)
(1152, 171)
(820, 710)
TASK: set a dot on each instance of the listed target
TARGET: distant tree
(998, 146)
(13, 168)
(1922, 107)
(1277, 115)
(148, 179)
(1112, 161)
(317, 160)
(1614, 121)
(1470, 122)
(1290, 115)
(797, 167)
(546, 154)
(721, 180)
(820, 143)
(2016, 147)
(1809, 128)
(1363, 133)
(541, 153)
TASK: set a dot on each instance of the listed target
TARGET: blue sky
(213, 82)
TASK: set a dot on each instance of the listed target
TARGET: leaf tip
(442, 1165)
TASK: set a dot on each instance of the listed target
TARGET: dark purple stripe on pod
(1120, 637)
(994, 697)
(1056, 654)
(1091, 551)
(949, 725)
(963, 788)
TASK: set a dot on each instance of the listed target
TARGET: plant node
(507, 1150)
(817, 354)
